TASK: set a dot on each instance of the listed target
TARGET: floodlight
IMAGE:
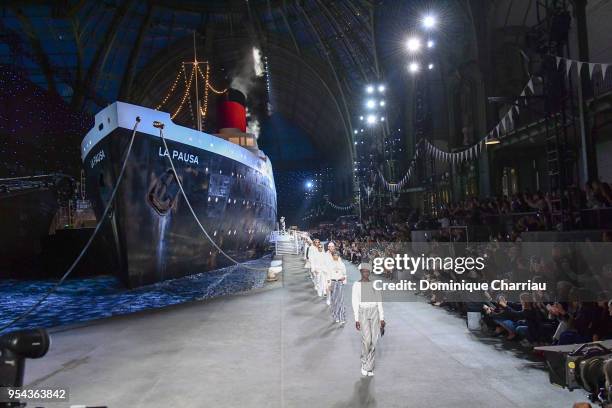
(414, 67)
(414, 44)
(429, 21)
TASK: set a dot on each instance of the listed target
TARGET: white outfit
(317, 261)
(324, 274)
(336, 270)
(369, 315)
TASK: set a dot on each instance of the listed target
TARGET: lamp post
(420, 47)
(373, 120)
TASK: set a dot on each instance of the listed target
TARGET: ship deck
(277, 347)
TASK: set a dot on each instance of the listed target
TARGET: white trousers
(322, 283)
(370, 333)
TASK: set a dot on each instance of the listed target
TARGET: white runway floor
(279, 348)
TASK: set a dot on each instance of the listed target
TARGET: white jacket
(336, 270)
(317, 259)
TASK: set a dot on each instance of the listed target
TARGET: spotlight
(355, 131)
(369, 89)
(371, 119)
(382, 103)
(361, 118)
(430, 43)
(382, 118)
(361, 130)
(381, 88)
(430, 66)
(414, 44)
(429, 22)
(370, 103)
(414, 67)
(309, 185)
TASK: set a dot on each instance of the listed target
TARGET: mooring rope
(89, 241)
(195, 216)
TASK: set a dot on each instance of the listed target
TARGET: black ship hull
(153, 232)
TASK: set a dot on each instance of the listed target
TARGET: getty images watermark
(480, 271)
(457, 265)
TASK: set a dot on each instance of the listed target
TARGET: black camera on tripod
(15, 347)
(587, 366)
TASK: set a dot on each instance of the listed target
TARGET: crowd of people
(575, 308)
(503, 217)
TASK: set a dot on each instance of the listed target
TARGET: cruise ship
(150, 230)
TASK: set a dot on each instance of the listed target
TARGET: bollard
(273, 271)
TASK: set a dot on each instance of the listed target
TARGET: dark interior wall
(522, 159)
(295, 161)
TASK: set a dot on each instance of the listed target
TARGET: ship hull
(154, 236)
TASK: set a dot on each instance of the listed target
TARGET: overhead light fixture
(414, 44)
(371, 119)
(414, 67)
(382, 118)
(430, 66)
(429, 21)
(492, 141)
(370, 103)
(382, 103)
(361, 118)
(381, 88)
(370, 89)
(430, 43)
(355, 131)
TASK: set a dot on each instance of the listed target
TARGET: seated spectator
(510, 318)
(582, 323)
